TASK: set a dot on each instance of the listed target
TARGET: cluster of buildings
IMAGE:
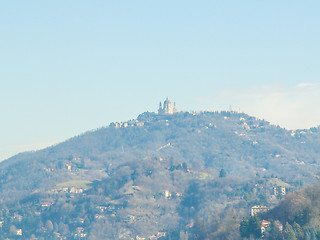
(133, 123)
(15, 231)
(264, 224)
(74, 190)
(153, 237)
(167, 108)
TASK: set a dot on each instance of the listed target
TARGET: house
(49, 169)
(275, 191)
(17, 217)
(161, 234)
(80, 232)
(279, 190)
(98, 216)
(19, 232)
(75, 190)
(190, 225)
(167, 194)
(128, 219)
(140, 124)
(68, 167)
(46, 204)
(258, 209)
(79, 190)
(59, 236)
(102, 208)
(264, 225)
(80, 229)
(179, 194)
(140, 238)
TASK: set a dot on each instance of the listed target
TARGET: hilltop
(161, 175)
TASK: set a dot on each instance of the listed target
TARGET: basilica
(167, 107)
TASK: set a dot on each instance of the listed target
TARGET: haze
(69, 67)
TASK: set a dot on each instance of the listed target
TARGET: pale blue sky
(71, 66)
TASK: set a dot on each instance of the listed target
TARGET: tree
(307, 235)
(288, 232)
(222, 173)
(251, 227)
(49, 226)
(255, 227)
(33, 237)
(185, 167)
(310, 234)
(275, 233)
(298, 230)
(87, 222)
(63, 228)
(313, 234)
(13, 230)
(244, 228)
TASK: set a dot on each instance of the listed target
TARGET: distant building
(46, 204)
(68, 167)
(75, 190)
(275, 191)
(19, 232)
(17, 217)
(258, 209)
(167, 107)
(167, 194)
(132, 123)
(161, 234)
(264, 226)
(140, 238)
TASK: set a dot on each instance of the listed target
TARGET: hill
(158, 176)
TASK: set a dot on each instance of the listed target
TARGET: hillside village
(179, 172)
(110, 208)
